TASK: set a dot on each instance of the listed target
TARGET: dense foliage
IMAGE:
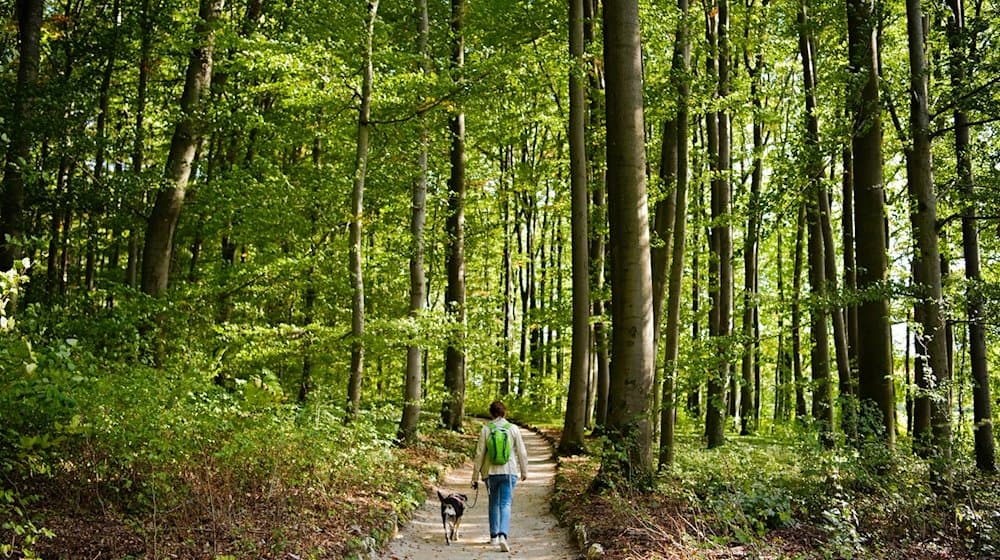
(199, 420)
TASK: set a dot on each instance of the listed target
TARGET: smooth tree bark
(139, 134)
(509, 305)
(571, 441)
(675, 282)
(357, 222)
(600, 368)
(721, 286)
(845, 382)
(875, 385)
(850, 268)
(21, 127)
(306, 381)
(981, 400)
(662, 234)
(783, 367)
(663, 222)
(822, 408)
(632, 358)
(158, 248)
(927, 259)
(797, 375)
(750, 325)
(453, 408)
(412, 389)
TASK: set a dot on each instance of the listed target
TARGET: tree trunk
(663, 223)
(845, 384)
(822, 409)
(596, 178)
(681, 68)
(101, 139)
(632, 356)
(750, 366)
(850, 270)
(722, 244)
(407, 434)
(357, 224)
(693, 403)
(454, 375)
(797, 375)
(21, 126)
(158, 249)
(782, 371)
(927, 260)
(571, 441)
(875, 387)
(506, 164)
(981, 401)
(138, 146)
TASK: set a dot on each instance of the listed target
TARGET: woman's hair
(497, 409)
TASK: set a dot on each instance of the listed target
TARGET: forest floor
(535, 532)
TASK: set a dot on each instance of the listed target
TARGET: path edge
(578, 533)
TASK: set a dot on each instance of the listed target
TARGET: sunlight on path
(534, 531)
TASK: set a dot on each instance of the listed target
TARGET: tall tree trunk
(782, 367)
(21, 127)
(750, 366)
(845, 384)
(681, 68)
(722, 244)
(158, 249)
(454, 375)
(357, 224)
(981, 401)
(407, 434)
(632, 356)
(822, 409)
(139, 143)
(693, 403)
(875, 387)
(306, 382)
(927, 265)
(571, 441)
(850, 270)
(598, 217)
(797, 375)
(663, 222)
(506, 164)
(102, 141)
(659, 253)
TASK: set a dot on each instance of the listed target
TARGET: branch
(249, 282)
(895, 117)
(971, 93)
(940, 131)
(945, 221)
(427, 107)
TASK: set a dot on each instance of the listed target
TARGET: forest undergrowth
(107, 454)
(103, 455)
(782, 498)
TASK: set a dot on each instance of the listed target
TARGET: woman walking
(500, 456)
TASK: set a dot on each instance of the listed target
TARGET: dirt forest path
(534, 532)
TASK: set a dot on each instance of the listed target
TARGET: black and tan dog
(452, 508)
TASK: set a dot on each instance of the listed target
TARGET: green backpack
(498, 443)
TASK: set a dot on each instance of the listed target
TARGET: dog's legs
(454, 529)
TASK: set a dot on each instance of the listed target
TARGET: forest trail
(535, 534)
